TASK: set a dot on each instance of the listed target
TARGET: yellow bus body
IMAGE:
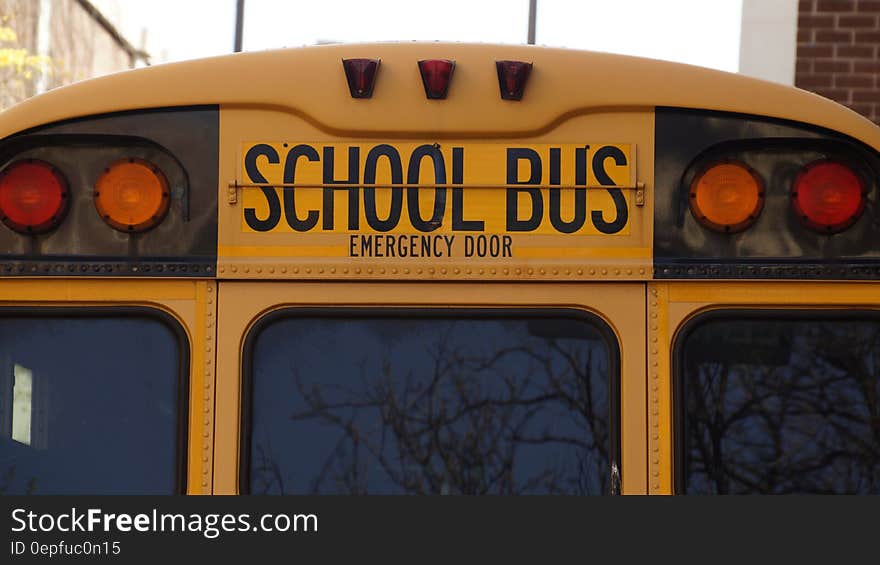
(299, 96)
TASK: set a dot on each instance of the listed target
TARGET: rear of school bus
(501, 270)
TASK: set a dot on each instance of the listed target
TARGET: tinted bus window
(422, 404)
(783, 405)
(89, 405)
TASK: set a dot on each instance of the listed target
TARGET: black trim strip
(679, 467)
(755, 269)
(602, 327)
(166, 319)
(95, 268)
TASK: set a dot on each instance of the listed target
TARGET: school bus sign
(431, 200)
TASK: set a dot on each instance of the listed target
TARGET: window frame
(254, 330)
(698, 319)
(183, 361)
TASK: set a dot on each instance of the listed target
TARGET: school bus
(438, 269)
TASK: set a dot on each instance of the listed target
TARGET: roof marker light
(361, 76)
(436, 76)
(33, 196)
(512, 78)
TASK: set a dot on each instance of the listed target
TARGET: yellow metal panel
(310, 83)
(201, 416)
(95, 290)
(659, 391)
(620, 305)
(543, 254)
(770, 292)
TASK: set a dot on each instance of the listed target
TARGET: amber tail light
(727, 197)
(132, 195)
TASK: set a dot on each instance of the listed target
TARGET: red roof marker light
(512, 78)
(436, 76)
(361, 76)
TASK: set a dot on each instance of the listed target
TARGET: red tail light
(436, 75)
(361, 76)
(828, 196)
(512, 78)
(33, 196)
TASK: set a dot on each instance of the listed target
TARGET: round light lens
(828, 196)
(33, 196)
(727, 197)
(132, 195)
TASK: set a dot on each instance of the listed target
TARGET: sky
(699, 32)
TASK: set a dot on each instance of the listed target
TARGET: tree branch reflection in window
(783, 406)
(430, 406)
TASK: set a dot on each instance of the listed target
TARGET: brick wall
(838, 45)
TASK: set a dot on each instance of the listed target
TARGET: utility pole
(533, 7)
(239, 24)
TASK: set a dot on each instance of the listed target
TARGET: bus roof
(309, 82)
